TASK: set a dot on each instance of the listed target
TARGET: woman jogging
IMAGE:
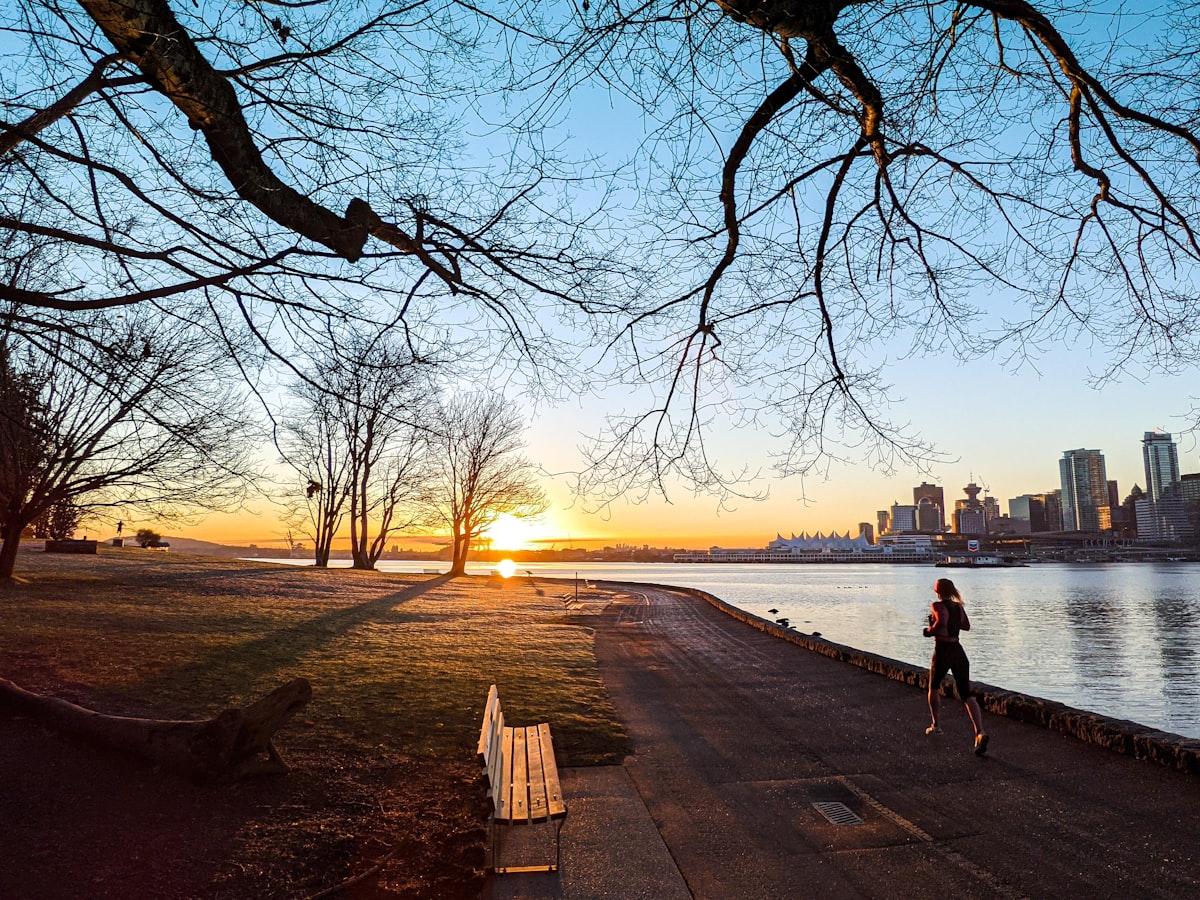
(947, 617)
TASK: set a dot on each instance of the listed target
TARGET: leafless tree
(356, 440)
(136, 412)
(477, 471)
(310, 443)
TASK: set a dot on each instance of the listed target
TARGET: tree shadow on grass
(235, 668)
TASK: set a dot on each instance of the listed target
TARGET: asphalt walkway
(763, 770)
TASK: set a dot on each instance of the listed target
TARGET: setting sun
(511, 533)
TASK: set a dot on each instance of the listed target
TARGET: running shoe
(981, 742)
(933, 729)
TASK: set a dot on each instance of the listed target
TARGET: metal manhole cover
(838, 813)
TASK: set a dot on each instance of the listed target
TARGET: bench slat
(520, 776)
(487, 734)
(504, 808)
(538, 806)
(495, 763)
(554, 798)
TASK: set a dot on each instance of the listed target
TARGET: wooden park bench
(522, 780)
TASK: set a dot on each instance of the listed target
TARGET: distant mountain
(203, 548)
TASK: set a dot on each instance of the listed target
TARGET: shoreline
(1122, 736)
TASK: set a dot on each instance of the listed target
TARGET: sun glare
(507, 568)
(511, 533)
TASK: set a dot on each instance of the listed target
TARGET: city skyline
(851, 495)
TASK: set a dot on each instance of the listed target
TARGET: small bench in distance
(522, 777)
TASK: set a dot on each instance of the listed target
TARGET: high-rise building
(1054, 514)
(929, 516)
(1032, 509)
(927, 494)
(1189, 488)
(1119, 514)
(883, 519)
(1161, 459)
(1162, 515)
(904, 518)
(970, 516)
(867, 530)
(1084, 491)
(1189, 493)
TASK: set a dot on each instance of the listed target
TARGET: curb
(1120, 735)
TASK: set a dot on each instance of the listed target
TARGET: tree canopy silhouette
(820, 185)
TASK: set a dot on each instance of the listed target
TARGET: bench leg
(546, 867)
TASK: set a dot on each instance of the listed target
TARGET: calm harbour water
(1118, 639)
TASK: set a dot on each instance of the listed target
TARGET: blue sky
(1005, 429)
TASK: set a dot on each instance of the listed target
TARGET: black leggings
(950, 657)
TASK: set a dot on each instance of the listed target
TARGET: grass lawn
(383, 756)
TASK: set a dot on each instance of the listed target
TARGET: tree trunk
(458, 555)
(226, 748)
(11, 535)
(321, 552)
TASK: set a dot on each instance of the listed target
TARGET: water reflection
(1175, 621)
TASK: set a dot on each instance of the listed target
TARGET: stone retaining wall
(1125, 737)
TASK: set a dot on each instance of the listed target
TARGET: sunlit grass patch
(402, 662)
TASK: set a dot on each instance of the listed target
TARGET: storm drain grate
(838, 813)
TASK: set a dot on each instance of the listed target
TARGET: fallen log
(226, 748)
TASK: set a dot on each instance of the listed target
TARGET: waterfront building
(1030, 508)
(1189, 488)
(970, 515)
(1085, 504)
(821, 548)
(819, 543)
(1189, 493)
(1161, 459)
(883, 521)
(1168, 519)
(1162, 514)
(929, 516)
(930, 494)
(970, 521)
(867, 530)
(907, 545)
(903, 518)
(1007, 525)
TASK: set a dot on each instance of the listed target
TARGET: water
(1118, 639)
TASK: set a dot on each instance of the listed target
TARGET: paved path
(736, 734)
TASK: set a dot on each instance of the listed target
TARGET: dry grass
(400, 667)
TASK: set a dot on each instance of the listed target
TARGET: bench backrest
(491, 737)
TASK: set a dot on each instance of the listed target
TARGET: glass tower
(1161, 458)
(1084, 491)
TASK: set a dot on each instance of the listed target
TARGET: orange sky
(995, 433)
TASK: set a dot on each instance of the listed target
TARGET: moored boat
(978, 561)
